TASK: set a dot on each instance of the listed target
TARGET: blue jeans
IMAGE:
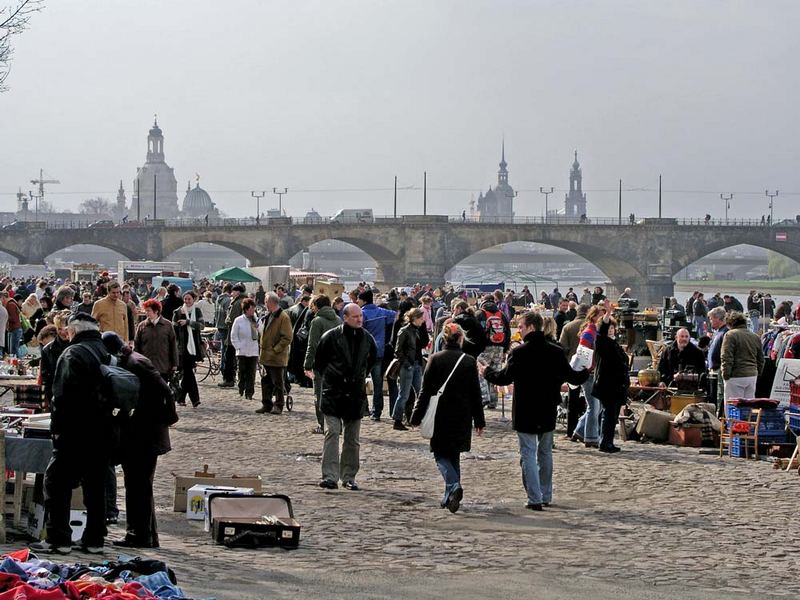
(410, 377)
(376, 374)
(700, 326)
(14, 338)
(536, 460)
(589, 423)
(450, 468)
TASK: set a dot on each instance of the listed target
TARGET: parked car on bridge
(101, 224)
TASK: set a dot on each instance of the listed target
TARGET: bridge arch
(595, 249)
(52, 247)
(241, 244)
(688, 255)
(11, 254)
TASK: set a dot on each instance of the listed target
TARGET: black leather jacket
(343, 358)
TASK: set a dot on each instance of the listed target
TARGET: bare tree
(95, 206)
(14, 20)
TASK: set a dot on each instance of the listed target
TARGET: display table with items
(26, 448)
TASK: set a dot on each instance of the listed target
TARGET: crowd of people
(423, 342)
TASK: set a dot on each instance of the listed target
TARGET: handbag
(393, 370)
(429, 420)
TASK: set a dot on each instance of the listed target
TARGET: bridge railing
(377, 220)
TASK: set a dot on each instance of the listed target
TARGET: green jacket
(325, 320)
(742, 355)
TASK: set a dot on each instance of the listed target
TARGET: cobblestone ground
(653, 516)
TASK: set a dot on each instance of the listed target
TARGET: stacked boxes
(771, 428)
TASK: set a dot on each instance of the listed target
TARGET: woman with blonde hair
(587, 429)
(459, 408)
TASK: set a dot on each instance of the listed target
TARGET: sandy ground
(650, 522)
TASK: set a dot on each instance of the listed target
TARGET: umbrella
(234, 274)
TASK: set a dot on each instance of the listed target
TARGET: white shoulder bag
(429, 420)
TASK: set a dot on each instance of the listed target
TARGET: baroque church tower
(497, 205)
(575, 200)
(155, 181)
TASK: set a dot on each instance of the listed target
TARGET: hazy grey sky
(338, 94)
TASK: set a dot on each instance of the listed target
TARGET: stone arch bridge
(643, 256)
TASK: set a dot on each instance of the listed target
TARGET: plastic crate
(794, 422)
(738, 446)
(794, 394)
(771, 419)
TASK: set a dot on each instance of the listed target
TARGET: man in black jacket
(537, 368)
(680, 355)
(84, 437)
(343, 358)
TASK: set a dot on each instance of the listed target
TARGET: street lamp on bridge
(546, 197)
(280, 197)
(727, 200)
(258, 198)
(771, 198)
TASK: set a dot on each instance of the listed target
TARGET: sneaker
(591, 445)
(327, 484)
(351, 485)
(454, 500)
(536, 507)
(112, 520)
(46, 548)
(91, 549)
(275, 410)
(263, 410)
(374, 418)
(318, 430)
(398, 426)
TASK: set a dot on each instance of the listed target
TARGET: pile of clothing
(702, 413)
(23, 576)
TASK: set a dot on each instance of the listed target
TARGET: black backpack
(120, 389)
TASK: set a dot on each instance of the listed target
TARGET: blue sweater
(376, 320)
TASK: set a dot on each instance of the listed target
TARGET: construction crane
(40, 182)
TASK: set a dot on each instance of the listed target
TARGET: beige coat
(276, 340)
(112, 316)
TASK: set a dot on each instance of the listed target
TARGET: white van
(353, 215)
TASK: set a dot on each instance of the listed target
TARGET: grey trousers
(333, 468)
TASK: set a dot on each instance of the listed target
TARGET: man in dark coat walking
(144, 436)
(537, 368)
(343, 358)
(84, 437)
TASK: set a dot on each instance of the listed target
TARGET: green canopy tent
(234, 274)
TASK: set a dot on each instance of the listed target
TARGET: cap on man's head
(112, 342)
(366, 296)
(77, 317)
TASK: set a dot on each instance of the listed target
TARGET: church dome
(197, 202)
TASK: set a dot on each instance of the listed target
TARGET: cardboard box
(183, 484)
(680, 401)
(77, 520)
(197, 498)
(689, 435)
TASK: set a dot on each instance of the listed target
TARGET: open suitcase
(252, 521)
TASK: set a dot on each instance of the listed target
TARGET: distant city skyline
(332, 100)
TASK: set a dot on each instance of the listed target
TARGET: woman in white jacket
(244, 337)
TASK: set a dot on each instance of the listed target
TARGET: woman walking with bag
(611, 379)
(188, 322)
(453, 376)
